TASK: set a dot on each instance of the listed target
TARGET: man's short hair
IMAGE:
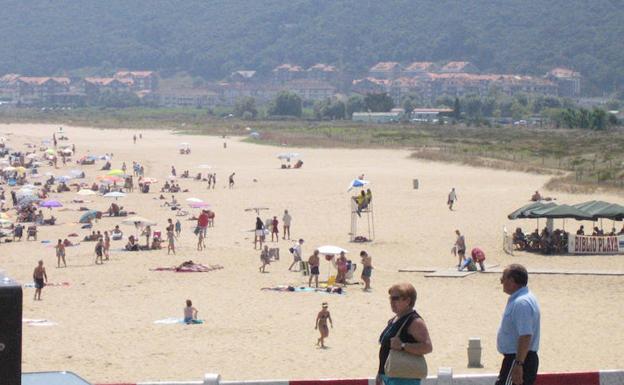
(518, 273)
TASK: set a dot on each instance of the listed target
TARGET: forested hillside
(210, 38)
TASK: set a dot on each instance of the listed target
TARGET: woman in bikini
(321, 325)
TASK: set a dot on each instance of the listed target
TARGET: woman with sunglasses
(413, 338)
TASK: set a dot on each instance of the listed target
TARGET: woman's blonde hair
(405, 290)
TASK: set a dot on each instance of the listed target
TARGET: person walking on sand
(452, 197)
(321, 325)
(178, 228)
(460, 248)
(99, 251)
(518, 336)
(286, 220)
(60, 253)
(258, 233)
(134, 138)
(41, 278)
(275, 229)
(264, 258)
(190, 313)
(231, 180)
(107, 242)
(170, 237)
(296, 252)
(367, 269)
(314, 262)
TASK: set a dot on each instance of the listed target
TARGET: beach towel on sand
(173, 320)
(37, 322)
(50, 284)
(194, 268)
(304, 289)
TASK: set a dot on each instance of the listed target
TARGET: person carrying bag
(404, 341)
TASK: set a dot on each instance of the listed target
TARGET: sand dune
(105, 329)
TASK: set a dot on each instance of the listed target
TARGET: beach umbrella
(85, 192)
(138, 221)
(149, 180)
(330, 249)
(205, 166)
(26, 199)
(88, 216)
(193, 200)
(24, 191)
(116, 172)
(288, 155)
(114, 194)
(184, 144)
(64, 178)
(50, 204)
(110, 178)
(355, 183)
(199, 205)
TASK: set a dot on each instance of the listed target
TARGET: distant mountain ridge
(213, 38)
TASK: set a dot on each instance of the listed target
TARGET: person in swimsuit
(367, 269)
(321, 325)
(107, 242)
(60, 253)
(314, 261)
(190, 313)
(41, 278)
(99, 251)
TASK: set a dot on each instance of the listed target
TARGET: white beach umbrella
(330, 249)
(114, 194)
(194, 200)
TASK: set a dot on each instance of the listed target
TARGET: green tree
(381, 102)
(246, 106)
(355, 103)
(456, 109)
(329, 109)
(286, 104)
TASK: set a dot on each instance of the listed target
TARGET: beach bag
(197, 230)
(401, 364)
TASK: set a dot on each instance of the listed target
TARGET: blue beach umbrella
(355, 183)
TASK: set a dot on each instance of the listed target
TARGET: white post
(212, 379)
(445, 376)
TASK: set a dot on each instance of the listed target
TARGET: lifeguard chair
(362, 218)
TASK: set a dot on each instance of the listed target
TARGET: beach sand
(105, 319)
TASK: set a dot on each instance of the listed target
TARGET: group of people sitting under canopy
(552, 242)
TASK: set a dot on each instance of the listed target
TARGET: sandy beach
(104, 319)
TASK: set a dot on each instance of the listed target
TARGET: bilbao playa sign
(586, 244)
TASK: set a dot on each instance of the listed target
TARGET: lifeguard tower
(362, 218)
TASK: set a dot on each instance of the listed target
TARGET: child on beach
(190, 313)
(321, 325)
(264, 258)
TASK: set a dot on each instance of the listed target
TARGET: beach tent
(560, 211)
(601, 209)
(88, 216)
(331, 250)
(525, 211)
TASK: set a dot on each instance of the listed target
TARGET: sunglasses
(395, 297)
